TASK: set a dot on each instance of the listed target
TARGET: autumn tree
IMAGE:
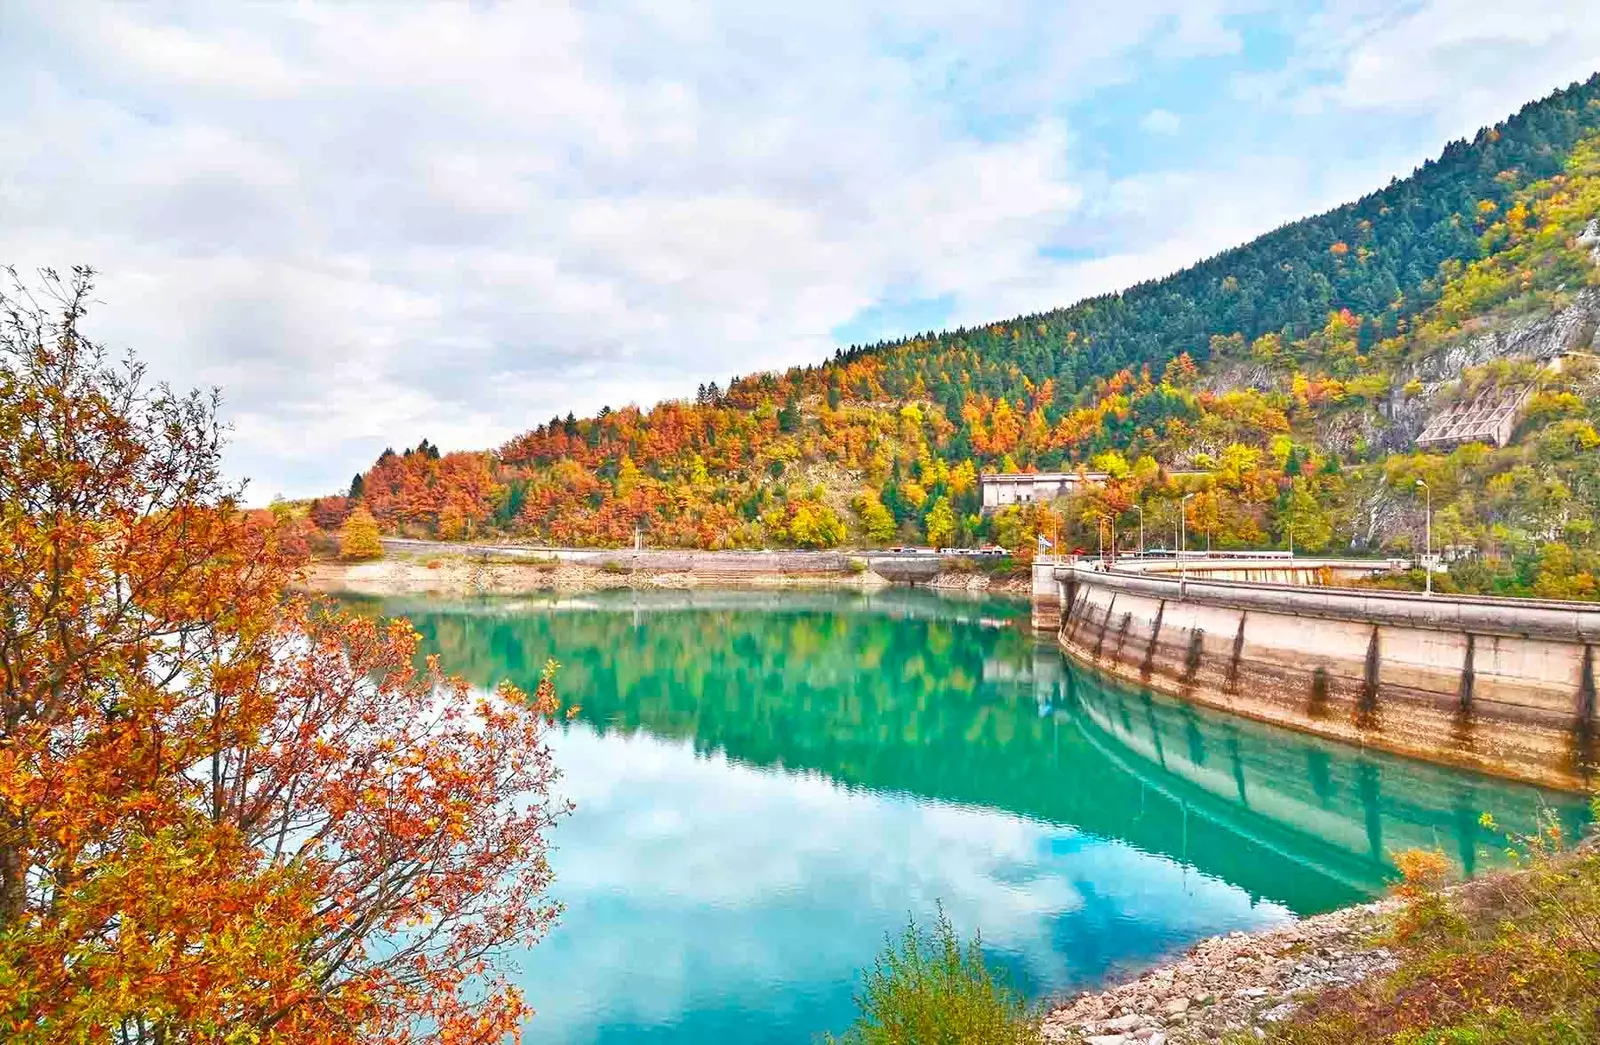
(941, 524)
(225, 815)
(812, 524)
(876, 522)
(358, 537)
(1303, 520)
(1180, 370)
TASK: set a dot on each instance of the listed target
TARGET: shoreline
(1236, 983)
(462, 575)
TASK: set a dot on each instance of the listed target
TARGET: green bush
(927, 989)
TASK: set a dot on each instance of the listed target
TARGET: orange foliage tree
(224, 816)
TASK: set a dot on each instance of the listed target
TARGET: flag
(1044, 545)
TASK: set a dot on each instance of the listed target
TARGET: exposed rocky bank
(466, 575)
(1228, 985)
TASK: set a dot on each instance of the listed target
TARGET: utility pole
(1140, 510)
(1427, 555)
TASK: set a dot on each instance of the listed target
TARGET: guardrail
(1522, 618)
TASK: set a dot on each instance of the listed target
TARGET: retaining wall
(1502, 686)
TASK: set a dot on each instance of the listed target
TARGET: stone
(1106, 1039)
(1590, 237)
(1128, 1022)
(1177, 1006)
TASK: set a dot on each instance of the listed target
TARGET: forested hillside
(1296, 369)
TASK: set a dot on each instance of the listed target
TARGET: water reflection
(769, 783)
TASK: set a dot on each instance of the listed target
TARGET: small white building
(1002, 488)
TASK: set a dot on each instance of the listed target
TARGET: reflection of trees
(905, 704)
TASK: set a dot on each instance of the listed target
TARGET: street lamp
(1183, 535)
(1100, 532)
(1140, 510)
(1427, 556)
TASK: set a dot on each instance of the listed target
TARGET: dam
(1504, 686)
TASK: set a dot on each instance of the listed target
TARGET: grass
(928, 989)
(1510, 959)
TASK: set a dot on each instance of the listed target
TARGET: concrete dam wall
(1499, 685)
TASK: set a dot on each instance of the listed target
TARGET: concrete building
(1002, 488)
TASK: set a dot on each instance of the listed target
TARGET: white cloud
(1462, 63)
(373, 222)
(1161, 121)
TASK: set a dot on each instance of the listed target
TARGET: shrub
(1427, 914)
(927, 989)
(1506, 959)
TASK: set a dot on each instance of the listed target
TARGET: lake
(768, 783)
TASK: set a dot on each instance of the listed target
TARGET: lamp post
(1427, 541)
(1140, 510)
(1183, 536)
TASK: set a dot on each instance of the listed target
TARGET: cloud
(1461, 64)
(693, 884)
(1161, 121)
(372, 223)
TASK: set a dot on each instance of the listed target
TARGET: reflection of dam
(1245, 792)
(926, 698)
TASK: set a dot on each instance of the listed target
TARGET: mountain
(1298, 370)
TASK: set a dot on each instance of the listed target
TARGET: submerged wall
(1502, 686)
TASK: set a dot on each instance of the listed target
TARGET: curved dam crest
(1504, 686)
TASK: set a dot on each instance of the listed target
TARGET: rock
(1128, 1022)
(1279, 1012)
(1177, 1006)
(1106, 1039)
(1590, 237)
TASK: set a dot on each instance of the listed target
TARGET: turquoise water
(767, 784)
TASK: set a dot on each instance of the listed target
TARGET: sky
(374, 223)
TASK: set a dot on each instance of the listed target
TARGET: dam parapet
(1505, 686)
